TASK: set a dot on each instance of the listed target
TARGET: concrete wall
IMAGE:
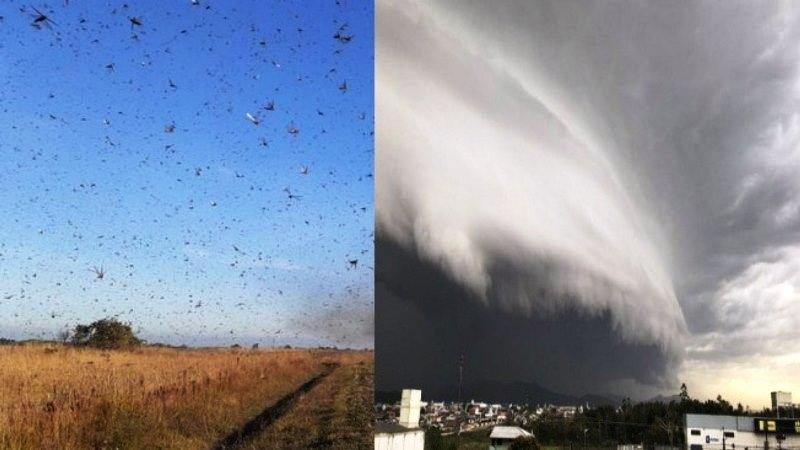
(411, 440)
(410, 404)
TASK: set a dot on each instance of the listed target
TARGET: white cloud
(479, 171)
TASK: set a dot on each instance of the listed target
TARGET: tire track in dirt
(335, 415)
(337, 424)
(272, 413)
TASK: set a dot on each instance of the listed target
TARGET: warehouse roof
(738, 423)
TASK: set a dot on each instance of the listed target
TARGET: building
(502, 437)
(630, 447)
(711, 432)
(781, 400)
(567, 412)
(406, 434)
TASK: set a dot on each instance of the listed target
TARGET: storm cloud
(629, 168)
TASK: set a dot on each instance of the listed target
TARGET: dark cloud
(632, 164)
(425, 321)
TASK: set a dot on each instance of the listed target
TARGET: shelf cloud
(634, 165)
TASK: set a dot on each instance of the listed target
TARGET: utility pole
(723, 438)
(460, 375)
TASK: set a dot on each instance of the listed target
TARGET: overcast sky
(629, 168)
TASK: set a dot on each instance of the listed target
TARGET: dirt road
(333, 410)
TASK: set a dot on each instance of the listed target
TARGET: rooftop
(501, 432)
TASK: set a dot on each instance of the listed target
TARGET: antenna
(460, 412)
(460, 375)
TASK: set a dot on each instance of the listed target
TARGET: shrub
(524, 443)
(435, 441)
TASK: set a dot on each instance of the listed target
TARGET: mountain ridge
(493, 391)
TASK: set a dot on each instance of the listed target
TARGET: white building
(711, 432)
(567, 412)
(502, 437)
(406, 434)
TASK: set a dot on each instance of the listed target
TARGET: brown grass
(54, 397)
(336, 414)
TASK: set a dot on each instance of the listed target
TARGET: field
(333, 415)
(60, 397)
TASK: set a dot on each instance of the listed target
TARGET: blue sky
(129, 147)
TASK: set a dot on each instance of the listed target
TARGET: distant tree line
(104, 333)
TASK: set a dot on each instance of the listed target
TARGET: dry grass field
(336, 414)
(60, 397)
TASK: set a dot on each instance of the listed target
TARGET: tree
(105, 333)
(684, 396)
